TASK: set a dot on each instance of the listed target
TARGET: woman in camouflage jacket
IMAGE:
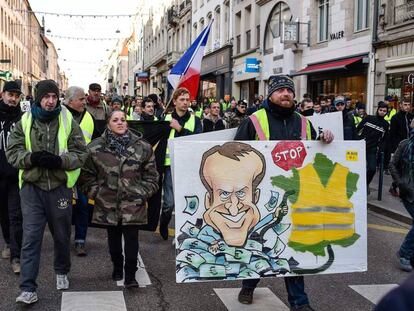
(120, 175)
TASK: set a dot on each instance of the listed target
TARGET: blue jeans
(407, 247)
(168, 196)
(295, 287)
(81, 217)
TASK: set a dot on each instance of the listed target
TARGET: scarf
(44, 115)
(12, 111)
(117, 142)
(93, 103)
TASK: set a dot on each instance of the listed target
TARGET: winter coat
(209, 125)
(374, 130)
(400, 175)
(349, 128)
(8, 118)
(120, 185)
(43, 136)
(280, 128)
(399, 128)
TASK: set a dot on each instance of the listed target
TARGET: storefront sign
(411, 78)
(252, 65)
(337, 35)
(142, 76)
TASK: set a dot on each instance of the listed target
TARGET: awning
(334, 65)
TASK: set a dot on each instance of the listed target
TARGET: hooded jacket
(8, 118)
(120, 184)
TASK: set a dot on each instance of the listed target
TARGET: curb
(389, 213)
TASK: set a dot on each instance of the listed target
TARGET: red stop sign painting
(288, 154)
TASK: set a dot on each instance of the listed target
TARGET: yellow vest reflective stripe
(389, 115)
(189, 125)
(357, 120)
(87, 126)
(261, 124)
(199, 113)
(65, 128)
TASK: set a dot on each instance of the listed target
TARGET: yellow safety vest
(357, 120)
(389, 115)
(198, 113)
(322, 213)
(87, 126)
(189, 125)
(261, 124)
(65, 128)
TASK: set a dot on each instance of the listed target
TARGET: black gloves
(46, 159)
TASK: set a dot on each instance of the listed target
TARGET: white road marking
(263, 300)
(373, 292)
(141, 275)
(93, 301)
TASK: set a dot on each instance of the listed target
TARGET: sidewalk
(389, 206)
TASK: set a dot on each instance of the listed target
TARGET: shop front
(401, 86)
(347, 77)
(215, 78)
(246, 77)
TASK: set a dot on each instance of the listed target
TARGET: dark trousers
(38, 208)
(371, 165)
(295, 287)
(131, 246)
(81, 214)
(407, 247)
(4, 211)
(168, 194)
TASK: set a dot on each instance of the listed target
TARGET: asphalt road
(93, 273)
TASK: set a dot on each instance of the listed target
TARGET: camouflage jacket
(43, 137)
(234, 119)
(120, 185)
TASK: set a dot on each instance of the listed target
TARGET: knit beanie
(117, 99)
(44, 87)
(280, 82)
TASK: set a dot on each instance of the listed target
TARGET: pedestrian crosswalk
(141, 275)
(93, 301)
(373, 293)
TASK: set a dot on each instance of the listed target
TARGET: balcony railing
(404, 12)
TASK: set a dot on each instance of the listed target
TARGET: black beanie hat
(280, 82)
(44, 87)
(381, 104)
(154, 98)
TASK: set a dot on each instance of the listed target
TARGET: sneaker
(246, 296)
(27, 297)
(62, 281)
(118, 273)
(131, 283)
(80, 249)
(15, 264)
(405, 264)
(5, 253)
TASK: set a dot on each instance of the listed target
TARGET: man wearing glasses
(235, 118)
(347, 119)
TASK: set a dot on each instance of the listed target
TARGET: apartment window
(238, 42)
(323, 20)
(361, 14)
(258, 35)
(280, 13)
(248, 38)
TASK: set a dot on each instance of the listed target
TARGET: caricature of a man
(231, 174)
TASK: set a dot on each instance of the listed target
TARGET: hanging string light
(80, 15)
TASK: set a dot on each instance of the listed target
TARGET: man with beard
(374, 129)
(10, 211)
(182, 123)
(279, 121)
(400, 124)
(48, 148)
(94, 104)
(213, 121)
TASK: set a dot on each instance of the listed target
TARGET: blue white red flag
(186, 73)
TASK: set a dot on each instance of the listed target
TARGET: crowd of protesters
(50, 150)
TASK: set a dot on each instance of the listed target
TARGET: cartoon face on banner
(268, 208)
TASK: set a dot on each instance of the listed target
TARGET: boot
(130, 269)
(164, 221)
(118, 273)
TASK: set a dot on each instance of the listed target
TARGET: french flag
(186, 73)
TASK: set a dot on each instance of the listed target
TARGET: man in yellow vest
(277, 120)
(48, 148)
(75, 101)
(182, 123)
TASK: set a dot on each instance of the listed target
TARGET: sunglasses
(340, 104)
(242, 107)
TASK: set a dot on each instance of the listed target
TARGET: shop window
(248, 40)
(323, 20)
(361, 15)
(401, 85)
(280, 13)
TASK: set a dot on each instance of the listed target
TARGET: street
(91, 275)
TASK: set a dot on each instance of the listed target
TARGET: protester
(48, 147)
(182, 123)
(235, 118)
(279, 121)
(317, 108)
(10, 211)
(198, 111)
(117, 102)
(374, 129)
(213, 121)
(349, 128)
(148, 112)
(159, 109)
(400, 124)
(136, 114)
(392, 104)
(359, 114)
(306, 107)
(75, 102)
(94, 104)
(120, 175)
(402, 172)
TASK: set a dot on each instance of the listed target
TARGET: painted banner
(255, 209)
